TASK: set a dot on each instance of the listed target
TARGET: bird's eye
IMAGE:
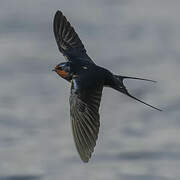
(67, 68)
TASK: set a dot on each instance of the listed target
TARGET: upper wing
(84, 113)
(67, 39)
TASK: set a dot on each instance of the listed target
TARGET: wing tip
(85, 159)
(58, 12)
(58, 15)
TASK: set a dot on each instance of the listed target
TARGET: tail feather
(120, 87)
(128, 77)
(143, 102)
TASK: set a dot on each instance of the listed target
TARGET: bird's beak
(53, 69)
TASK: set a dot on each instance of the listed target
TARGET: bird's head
(64, 70)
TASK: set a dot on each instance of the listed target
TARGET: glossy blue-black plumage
(87, 82)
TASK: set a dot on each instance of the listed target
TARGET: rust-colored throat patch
(61, 73)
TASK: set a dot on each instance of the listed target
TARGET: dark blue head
(64, 70)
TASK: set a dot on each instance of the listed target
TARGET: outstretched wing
(84, 113)
(67, 39)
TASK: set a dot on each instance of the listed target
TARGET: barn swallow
(87, 81)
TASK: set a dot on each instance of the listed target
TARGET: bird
(87, 81)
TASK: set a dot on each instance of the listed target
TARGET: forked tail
(120, 87)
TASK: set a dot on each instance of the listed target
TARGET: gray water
(129, 37)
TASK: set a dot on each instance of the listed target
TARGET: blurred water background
(129, 37)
